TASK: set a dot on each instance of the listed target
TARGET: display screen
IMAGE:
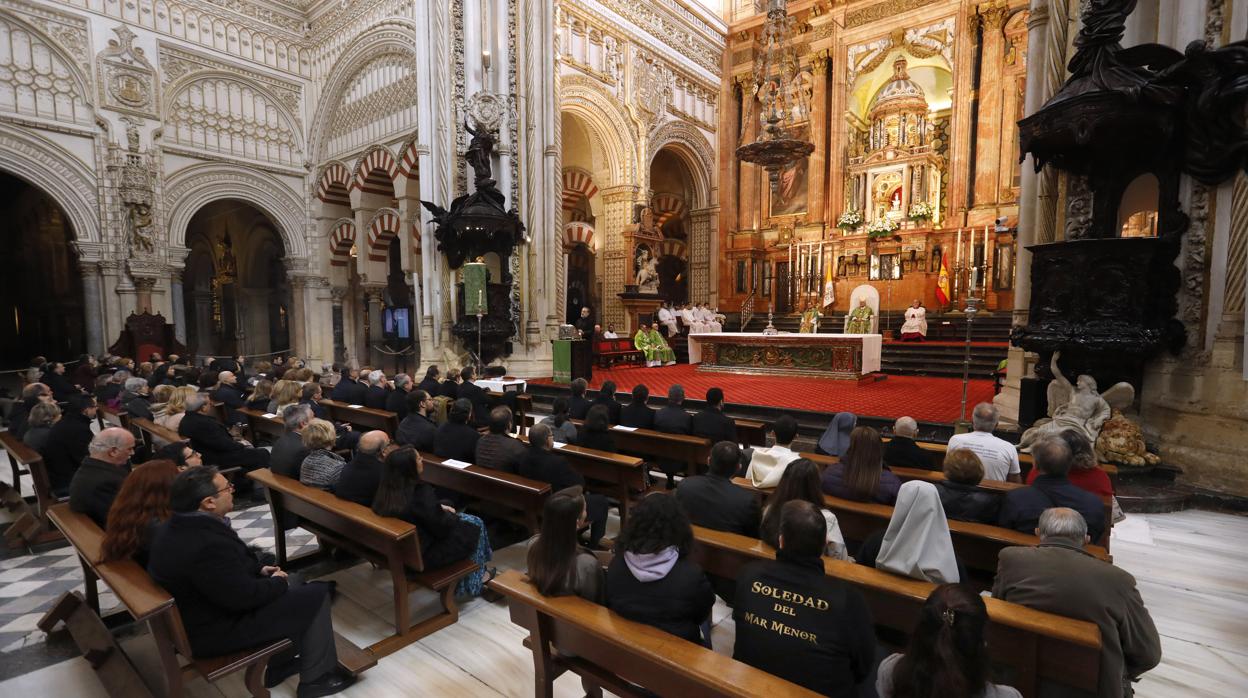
(396, 323)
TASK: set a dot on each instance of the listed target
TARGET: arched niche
(1137, 209)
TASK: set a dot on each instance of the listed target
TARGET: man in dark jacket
(450, 385)
(498, 449)
(473, 393)
(606, 398)
(902, 451)
(430, 383)
(578, 405)
(226, 363)
(1021, 508)
(362, 474)
(396, 399)
(543, 463)
(31, 395)
(349, 389)
(60, 384)
(288, 451)
(135, 400)
(311, 396)
(673, 419)
(231, 395)
(712, 500)
(417, 429)
(377, 391)
(711, 422)
(213, 440)
(637, 413)
(228, 601)
(68, 442)
(98, 479)
(455, 439)
(797, 623)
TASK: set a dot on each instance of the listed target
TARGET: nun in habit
(916, 543)
(835, 439)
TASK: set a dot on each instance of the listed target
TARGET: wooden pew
(514, 492)
(148, 603)
(620, 655)
(977, 545)
(691, 451)
(612, 474)
(110, 417)
(362, 418)
(387, 542)
(153, 433)
(1037, 647)
(751, 432)
(262, 426)
(31, 527)
(1025, 461)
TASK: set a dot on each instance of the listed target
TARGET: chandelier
(782, 95)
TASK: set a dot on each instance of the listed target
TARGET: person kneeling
(228, 601)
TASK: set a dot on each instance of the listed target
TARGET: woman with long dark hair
(652, 580)
(445, 536)
(595, 433)
(947, 654)
(800, 481)
(860, 475)
(141, 505)
(558, 565)
(560, 422)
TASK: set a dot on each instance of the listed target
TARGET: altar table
(842, 356)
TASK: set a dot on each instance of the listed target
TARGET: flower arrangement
(921, 211)
(849, 220)
(881, 226)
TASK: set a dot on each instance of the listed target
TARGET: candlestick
(958, 247)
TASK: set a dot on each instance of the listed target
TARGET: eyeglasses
(227, 488)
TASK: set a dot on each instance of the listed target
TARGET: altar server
(667, 318)
(915, 327)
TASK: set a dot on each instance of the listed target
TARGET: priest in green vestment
(860, 319)
(649, 342)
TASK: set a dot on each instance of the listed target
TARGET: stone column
(819, 115)
(178, 303)
(143, 286)
(617, 214)
(253, 321)
(749, 215)
(337, 328)
(988, 125)
(204, 345)
(700, 234)
(92, 307)
(373, 296)
(295, 327)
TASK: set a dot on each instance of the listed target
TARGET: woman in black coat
(445, 536)
(595, 432)
(651, 580)
(960, 494)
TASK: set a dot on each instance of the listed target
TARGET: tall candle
(958, 248)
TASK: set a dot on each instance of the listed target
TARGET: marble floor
(1190, 567)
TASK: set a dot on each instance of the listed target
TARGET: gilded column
(988, 131)
(617, 213)
(700, 255)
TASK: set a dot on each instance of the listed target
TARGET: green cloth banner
(562, 360)
(475, 277)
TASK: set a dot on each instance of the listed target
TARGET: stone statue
(1079, 407)
(647, 271)
(1122, 442)
(478, 155)
(140, 219)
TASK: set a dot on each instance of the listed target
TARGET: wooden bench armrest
(358, 514)
(80, 530)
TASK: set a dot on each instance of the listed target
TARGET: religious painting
(1003, 267)
(790, 195)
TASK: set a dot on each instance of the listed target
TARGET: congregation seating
(264, 428)
(32, 526)
(392, 544)
(615, 475)
(622, 656)
(1038, 649)
(146, 602)
(1025, 462)
(362, 418)
(522, 498)
(977, 545)
(613, 351)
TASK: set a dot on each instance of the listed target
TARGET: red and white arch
(334, 184)
(384, 227)
(579, 232)
(668, 206)
(673, 248)
(416, 245)
(376, 171)
(577, 183)
(409, 160)
(341, 239)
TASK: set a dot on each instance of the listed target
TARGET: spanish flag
(942, 281)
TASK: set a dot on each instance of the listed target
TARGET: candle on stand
(958, 247)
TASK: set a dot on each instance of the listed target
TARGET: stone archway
(191, 188)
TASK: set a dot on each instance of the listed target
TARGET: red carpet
(997, 345)
(926, 399)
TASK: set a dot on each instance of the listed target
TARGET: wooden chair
(622, 656)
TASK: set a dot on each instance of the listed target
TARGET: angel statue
(1079, 407)
(647, 272)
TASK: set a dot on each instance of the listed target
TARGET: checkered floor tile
(30, 584)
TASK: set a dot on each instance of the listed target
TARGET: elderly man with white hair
(1057, 576)
(1000, 457)
(396, 399)
(135, 400)
(98, 480)
(378, 390)
(213, 440)
(902, 451)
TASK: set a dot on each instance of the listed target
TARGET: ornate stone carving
(127, 80)
(189, 189)
(54, 170)
(883, 10)
(650, 88)
(43, 78)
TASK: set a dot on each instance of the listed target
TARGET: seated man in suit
(455, 438)
(711, 422)
(545, 464)
(473, 393)
(417, 428)
(377, 390)
(499, 449)
(430, 383)
(288, 451)
(1059, 577)
(231, 395)
(637, 413)
(1021, 508)
(228, 601)
(578, 404)
(673, 419)
(97, 481)
(68, 441)
(396, 399)
(902, 451)
(213, 440)
(712, 500)
(606, 398)
(362, 474)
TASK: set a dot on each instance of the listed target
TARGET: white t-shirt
(999, 456)
(610, 335)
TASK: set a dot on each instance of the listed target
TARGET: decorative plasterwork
(920, 42)
(263, 12)
(62, 176)
(191, 188)
(662, 27)
(883, 10)
(176, 63)
(39, 77)
(700, 54)
(370, 98)
(67, 31)
(126, 79)
(650, 88)
(698, 153)
(612, 128)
